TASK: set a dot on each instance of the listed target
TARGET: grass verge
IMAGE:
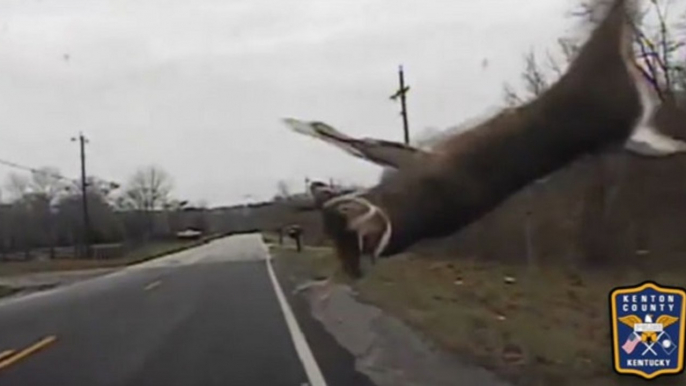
(6, 291)
(138, 255)
(534, 327)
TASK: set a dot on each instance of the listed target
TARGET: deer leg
(646, 140)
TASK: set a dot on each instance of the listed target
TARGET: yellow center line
(5, 354)
(152, 285)
(27, 351)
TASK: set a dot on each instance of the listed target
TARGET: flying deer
(601, 101)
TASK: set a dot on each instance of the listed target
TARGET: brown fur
(593, 106)
(336, 228)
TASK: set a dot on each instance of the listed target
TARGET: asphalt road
(207, 316)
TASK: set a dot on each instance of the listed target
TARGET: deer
(600, 102)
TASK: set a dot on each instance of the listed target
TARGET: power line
(83, 184)
(30, 169)
(37, 171)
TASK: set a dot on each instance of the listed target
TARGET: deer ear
(321, 193)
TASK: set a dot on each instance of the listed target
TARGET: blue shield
(648, 323)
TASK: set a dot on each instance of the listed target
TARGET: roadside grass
(532, 326)
(6, 291)
(313, 262)
(270, 238)
(137, 255)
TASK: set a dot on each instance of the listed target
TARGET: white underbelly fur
(645, 138)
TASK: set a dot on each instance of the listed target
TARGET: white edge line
(314, 374)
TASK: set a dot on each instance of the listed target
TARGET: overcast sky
(199, 87)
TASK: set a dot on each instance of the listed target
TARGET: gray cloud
(199, 87)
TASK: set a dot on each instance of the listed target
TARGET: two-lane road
(213, 315)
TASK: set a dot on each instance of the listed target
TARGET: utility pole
(401, 93)
(84, 198)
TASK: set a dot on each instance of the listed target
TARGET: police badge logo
(648, 323)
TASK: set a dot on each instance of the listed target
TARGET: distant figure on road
(295, 232)
(279, 230)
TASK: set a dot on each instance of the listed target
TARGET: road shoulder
(336, 363)
(382, 348)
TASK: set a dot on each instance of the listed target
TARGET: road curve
(207, 316)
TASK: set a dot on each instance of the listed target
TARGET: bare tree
(539, 74)
(658, 43)
(17, 186)
(18, 213)
(148, 190)
(46, 187)
(47, 181)
(106, 226)
(660, 53)
(679, 65)
(45, 210)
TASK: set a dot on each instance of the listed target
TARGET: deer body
(602, 100)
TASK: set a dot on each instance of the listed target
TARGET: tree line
(44, 210)
(659, 45)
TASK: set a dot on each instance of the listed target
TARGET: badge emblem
(648, 323)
